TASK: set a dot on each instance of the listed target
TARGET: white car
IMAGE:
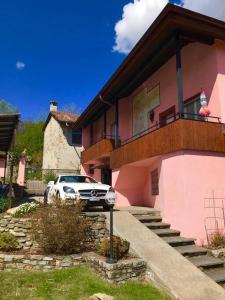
(85, 188)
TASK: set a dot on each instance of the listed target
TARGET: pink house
(143, 133)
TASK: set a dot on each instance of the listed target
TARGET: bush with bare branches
(60, 229)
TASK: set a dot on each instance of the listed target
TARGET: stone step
(147, 219)
(156, 225)
(218, 275)
(191, 250)
(178, 241)
(137, 211)
(166, 232)
(206, 261)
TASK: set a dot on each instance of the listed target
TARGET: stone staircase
(199, 256)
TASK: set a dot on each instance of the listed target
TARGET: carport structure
(8, 125)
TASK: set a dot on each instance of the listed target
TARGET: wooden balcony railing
(96, 151)
(182, 134)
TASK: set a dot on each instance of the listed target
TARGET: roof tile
(61, 116)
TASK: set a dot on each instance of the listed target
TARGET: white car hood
(86, 186)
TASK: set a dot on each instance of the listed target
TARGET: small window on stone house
(155, 182)
(77, 137)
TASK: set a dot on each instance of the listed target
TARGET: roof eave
(173, 16)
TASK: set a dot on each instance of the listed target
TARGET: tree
(71, 108)
(6, 107)
(30, 137)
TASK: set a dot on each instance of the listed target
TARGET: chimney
(53, 106)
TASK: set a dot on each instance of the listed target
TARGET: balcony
(181, 134)
(98, 150)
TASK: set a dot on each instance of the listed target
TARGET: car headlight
(111, 189)
(68, 189)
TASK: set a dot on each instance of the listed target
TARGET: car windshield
(76, 179)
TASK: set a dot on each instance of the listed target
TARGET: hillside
(30, 137)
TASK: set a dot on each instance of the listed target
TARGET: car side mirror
(51, 183)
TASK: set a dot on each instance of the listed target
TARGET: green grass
(77, 283)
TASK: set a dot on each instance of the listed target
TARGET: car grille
(87, 193)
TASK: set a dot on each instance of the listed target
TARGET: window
(167, 116)
(145, 101)
(155, 182)
(191, 109)
(76, 179)
(77, 137)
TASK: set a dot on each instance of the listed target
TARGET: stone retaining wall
(38, 262)
(122, 271)
(21, 229)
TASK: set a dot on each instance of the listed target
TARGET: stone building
(62, 144)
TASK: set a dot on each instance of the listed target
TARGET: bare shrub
(60, 229)
(217, 240)
(120, 247)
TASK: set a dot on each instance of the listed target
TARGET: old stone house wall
(59, 152)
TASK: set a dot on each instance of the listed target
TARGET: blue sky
(66, 47)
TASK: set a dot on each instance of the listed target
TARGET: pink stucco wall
(110, 117)
(21, 172)
(125, 118)
(199, 72)
(133, 183)
(85, 171)
(2, 167)
(187, 179)
(129, 183)
(98, 126)
(86, 137)
(220, 82)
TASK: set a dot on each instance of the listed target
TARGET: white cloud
(20, 65)
(212, 8)
(138, 15)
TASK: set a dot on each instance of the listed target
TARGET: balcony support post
(179, 76)
(116, 123)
